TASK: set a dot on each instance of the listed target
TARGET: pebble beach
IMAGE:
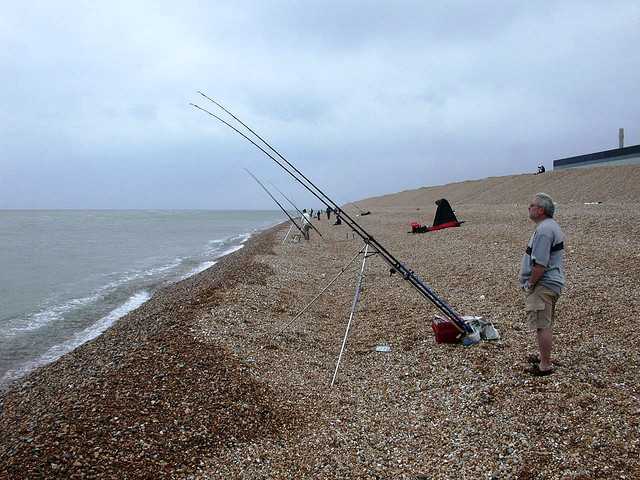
(214, 377)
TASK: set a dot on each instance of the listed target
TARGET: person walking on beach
(306, 223)
(542, 279)
(328, 213)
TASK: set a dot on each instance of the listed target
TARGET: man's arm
(536, 274)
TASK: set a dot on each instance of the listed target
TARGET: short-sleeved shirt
(546, 235)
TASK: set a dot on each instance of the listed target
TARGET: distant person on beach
(338, 220)
(318, 215)
(328, 213)
(306, 223)
(541, 169)
(542, 279)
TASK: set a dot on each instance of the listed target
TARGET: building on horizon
(617, 156)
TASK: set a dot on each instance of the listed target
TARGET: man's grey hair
(546, 203)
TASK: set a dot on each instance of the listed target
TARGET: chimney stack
(621, 137)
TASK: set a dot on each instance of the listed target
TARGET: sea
(67, 275)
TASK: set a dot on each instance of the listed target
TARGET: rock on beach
(193, 383)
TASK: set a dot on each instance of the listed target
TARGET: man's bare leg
(545, 344)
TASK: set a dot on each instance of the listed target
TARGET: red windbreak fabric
(443, 225)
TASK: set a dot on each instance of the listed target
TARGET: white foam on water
(170, 266)
(81, 337)
(57, 312)
(236, 242)
(137, 274)
(200, 268)
(217, 243)
(51, 314)
(235, 248)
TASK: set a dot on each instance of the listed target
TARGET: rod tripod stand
(356, 298)
(287, 235)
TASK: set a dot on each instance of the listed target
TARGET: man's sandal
(534, 359)
(536, 372)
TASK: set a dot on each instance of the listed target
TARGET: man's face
(536, 212)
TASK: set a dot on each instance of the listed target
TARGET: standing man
(306, 223)
(542, 279)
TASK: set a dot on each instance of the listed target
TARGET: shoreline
(193, 384)
(101, 324)
(105, 367)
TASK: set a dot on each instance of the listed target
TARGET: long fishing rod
(396, 265)
(326, 200)
(263, 151)
(352, 224)
(294, 206)
(407, 274)
(274, 199)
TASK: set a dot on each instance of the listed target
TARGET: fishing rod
(395, 264)
(294, 206)
(335, 207)
(274, 199)
(326, 200)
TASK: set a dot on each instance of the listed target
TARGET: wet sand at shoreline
(192, 384)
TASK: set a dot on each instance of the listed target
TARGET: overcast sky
(365, 98)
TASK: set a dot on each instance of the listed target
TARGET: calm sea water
(67, 275)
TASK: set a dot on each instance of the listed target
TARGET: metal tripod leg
(342, 270)
(356, 297)
(287, 235)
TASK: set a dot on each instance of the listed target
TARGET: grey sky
(365, 98)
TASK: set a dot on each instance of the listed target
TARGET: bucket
(445, 331)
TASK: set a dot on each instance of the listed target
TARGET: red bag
(445, 331)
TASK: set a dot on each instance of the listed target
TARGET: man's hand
(536, 274)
